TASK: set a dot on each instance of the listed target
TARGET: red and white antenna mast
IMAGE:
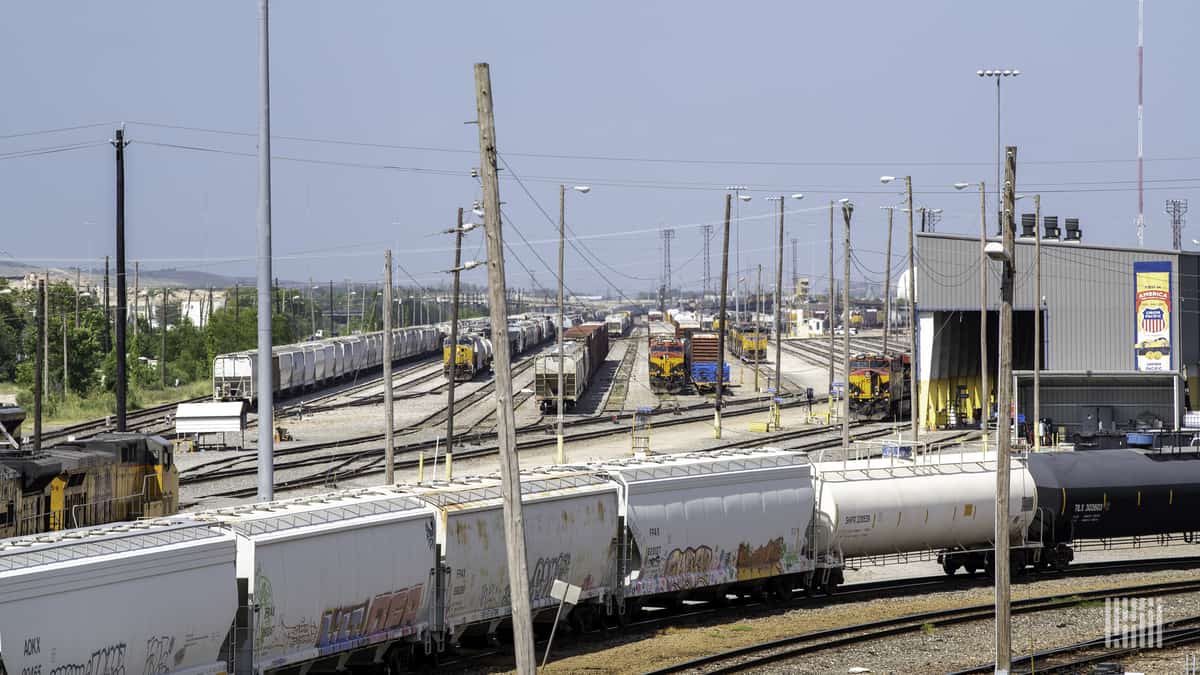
(1141, 217)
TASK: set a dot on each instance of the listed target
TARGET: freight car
(747, 342)
(618, 324)
(311, 365)
(666, 358)
(109, 477)
(575, 375)
(1108, 494)
(594, 338)
(703, 361)
(472, 357)
(304, 585)
(879, 386)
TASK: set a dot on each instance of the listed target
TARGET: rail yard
(747, 402)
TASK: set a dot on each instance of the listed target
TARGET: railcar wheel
(829, 587)
(782, 588)
(950, 567)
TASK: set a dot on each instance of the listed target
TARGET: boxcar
(155, 597)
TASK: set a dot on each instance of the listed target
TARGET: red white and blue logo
(1153, 320)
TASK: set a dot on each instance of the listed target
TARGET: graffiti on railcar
(108, 660)
(764, 561)
(685, 568)
(545, 571)
(383, 614)
(160, 656)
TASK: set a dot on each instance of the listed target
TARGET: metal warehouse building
(1119, 332)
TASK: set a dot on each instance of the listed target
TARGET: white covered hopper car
(311, 365)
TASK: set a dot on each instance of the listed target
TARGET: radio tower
(1177, 208)
(1141, 218)
(707, 262)
(667, 235)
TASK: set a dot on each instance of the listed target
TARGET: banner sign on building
(1152, 309)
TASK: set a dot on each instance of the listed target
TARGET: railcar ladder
(640, 433)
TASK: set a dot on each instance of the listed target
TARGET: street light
(914, 396)
(998, 75)
(847, 212)
(778, 304)
(562, 238)
(737, 262)
(984, 391)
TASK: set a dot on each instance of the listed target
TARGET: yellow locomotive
(747, 343)
(472, 355)
(107, 478)
(879, 386)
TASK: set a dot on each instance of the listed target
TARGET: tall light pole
(847, 212)
(913, 396)
(265, 386)
(1037, 319)
(998, 75)
(779, 298)
(562, 238)
(984, 392)
(737, 256)
(887, 280)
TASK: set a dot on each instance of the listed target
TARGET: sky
(658, 106)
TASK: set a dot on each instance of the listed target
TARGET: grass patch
(74, 408)
(928, 628)
(741, 627)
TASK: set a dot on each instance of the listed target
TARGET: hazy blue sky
(812, 97)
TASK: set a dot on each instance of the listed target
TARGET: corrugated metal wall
(1089, 296)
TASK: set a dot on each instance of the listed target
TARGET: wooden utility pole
(121, 315)
(757, 320)
(453, 353)
(107, 311)
(136, 282)
(46, 331)
(1004, 421)
(312, 307)
(77, 284)
(1037, 323)
(847, 211)
(388, 422)
(162, 352)
(887, 281)
(562, 236)
(66, 364)
(510, 471)
(330, 309)
(778, 308)
(37, 369)
(985, 390)
(913, 394)
(237, 303)
(832, 294)
(720, 377)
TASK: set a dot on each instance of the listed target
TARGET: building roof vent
(1051, 225)
(1028, 225)
(1073, 232)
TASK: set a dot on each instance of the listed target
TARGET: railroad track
(620, 384)
(757, 656)
(709, 613)
(359, 463)
(155, 417)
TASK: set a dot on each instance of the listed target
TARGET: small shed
(212, 417)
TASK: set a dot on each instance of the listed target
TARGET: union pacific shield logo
(1153, 320)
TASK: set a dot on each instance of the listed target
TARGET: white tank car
(570, 521)
(709, 522)
(156, 596)
(333, 574)
(932, 502)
